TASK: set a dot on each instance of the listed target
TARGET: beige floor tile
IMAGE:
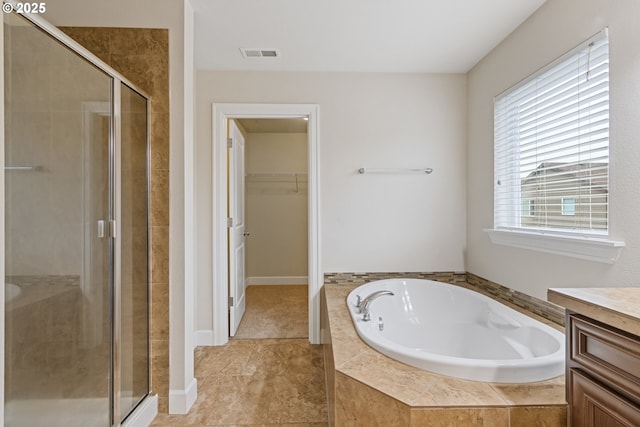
(268, 375)
(271, 382)
(275, 311)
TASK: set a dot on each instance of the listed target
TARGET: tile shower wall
(48, 354)
(50, 360)
(142, 56)
(43, 131)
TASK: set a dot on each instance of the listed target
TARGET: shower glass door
(133, 244)
(59, 256)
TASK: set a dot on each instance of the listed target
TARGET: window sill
(589, 248)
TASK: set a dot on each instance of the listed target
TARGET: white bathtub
(454, 331)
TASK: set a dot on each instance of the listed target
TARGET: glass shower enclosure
(76, 234)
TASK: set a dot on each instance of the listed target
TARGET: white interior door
(237, 282)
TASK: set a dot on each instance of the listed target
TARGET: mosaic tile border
(544, 309)
(468, 280)
(361, 278)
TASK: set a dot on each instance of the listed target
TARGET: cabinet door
(593, 405)
(609, 355)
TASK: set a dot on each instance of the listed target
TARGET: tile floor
(260, 382)
(276, 311)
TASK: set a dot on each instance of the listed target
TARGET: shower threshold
(81, 412)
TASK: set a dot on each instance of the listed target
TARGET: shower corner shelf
(24, 168)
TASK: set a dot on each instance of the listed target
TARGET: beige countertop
(618, 307)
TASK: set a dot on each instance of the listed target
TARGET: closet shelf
(275, 177)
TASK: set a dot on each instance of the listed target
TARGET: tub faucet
(363, 307)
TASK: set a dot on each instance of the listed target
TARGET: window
(528, 207)
(552, 146)
(568, 206)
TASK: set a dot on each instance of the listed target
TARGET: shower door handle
(106, 228)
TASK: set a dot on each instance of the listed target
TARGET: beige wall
(276, 209)
(368, 222)
(555, 28)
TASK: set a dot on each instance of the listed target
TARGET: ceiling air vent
(259, 53)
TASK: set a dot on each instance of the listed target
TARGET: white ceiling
(436, 36)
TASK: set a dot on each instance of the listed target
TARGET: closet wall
(276, 206)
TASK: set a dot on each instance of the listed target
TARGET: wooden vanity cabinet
(603, 374)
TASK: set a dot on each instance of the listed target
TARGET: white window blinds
(552, 145)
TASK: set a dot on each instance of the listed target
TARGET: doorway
(274, 227)
(222, 113)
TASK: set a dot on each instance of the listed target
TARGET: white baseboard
(180, 401)
(144, 414)
(204, 337)
(277, 280)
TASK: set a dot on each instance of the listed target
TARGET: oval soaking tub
(457, 332)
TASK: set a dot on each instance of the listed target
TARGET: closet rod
(275, 175)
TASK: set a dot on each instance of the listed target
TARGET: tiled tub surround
(361, 278)
(457, 332)
(366, 388)
(530, 304)
(467, 280)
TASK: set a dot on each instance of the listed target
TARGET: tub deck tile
(550, 392)
(467, 417)
(430, 396)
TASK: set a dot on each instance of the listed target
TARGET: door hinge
(230, 301)
(229, 142)
(229, 222)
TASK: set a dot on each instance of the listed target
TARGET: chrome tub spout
(363, 307)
